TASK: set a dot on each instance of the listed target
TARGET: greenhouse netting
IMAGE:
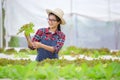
(90, 23)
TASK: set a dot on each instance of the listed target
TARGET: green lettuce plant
(27, 28)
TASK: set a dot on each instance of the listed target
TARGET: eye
(53, 20)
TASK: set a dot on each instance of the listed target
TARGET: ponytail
(59, 27)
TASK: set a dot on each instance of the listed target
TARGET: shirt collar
(47, 31)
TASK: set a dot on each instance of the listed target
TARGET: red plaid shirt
(60, 36)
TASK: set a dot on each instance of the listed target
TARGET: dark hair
(58, 19)
(59, 27)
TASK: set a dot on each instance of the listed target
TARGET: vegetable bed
(79, 69)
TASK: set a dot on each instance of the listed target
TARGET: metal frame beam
(1, 25)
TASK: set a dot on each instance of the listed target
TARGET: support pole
(1, 26)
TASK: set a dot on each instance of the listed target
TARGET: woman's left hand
(37, 45)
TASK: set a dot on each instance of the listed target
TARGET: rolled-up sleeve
(60, 43)
(37, 36)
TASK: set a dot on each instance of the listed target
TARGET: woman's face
(52, 21)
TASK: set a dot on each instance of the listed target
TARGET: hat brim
(50, 11)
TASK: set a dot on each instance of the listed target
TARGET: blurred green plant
(14, 42)
(92, 52)
(55, 71)
(24, 51)
(21, 55)
(73, 50)
(33, 52)
(28, 51)
(1, 50)
(10, 51)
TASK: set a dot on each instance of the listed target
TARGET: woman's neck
(53, 29)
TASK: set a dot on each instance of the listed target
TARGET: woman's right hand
(30, 43)
(26, 35)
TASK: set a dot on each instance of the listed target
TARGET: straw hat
(58, 12)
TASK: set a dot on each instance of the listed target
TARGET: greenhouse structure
(92, 45)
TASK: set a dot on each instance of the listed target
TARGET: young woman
(48, 41)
